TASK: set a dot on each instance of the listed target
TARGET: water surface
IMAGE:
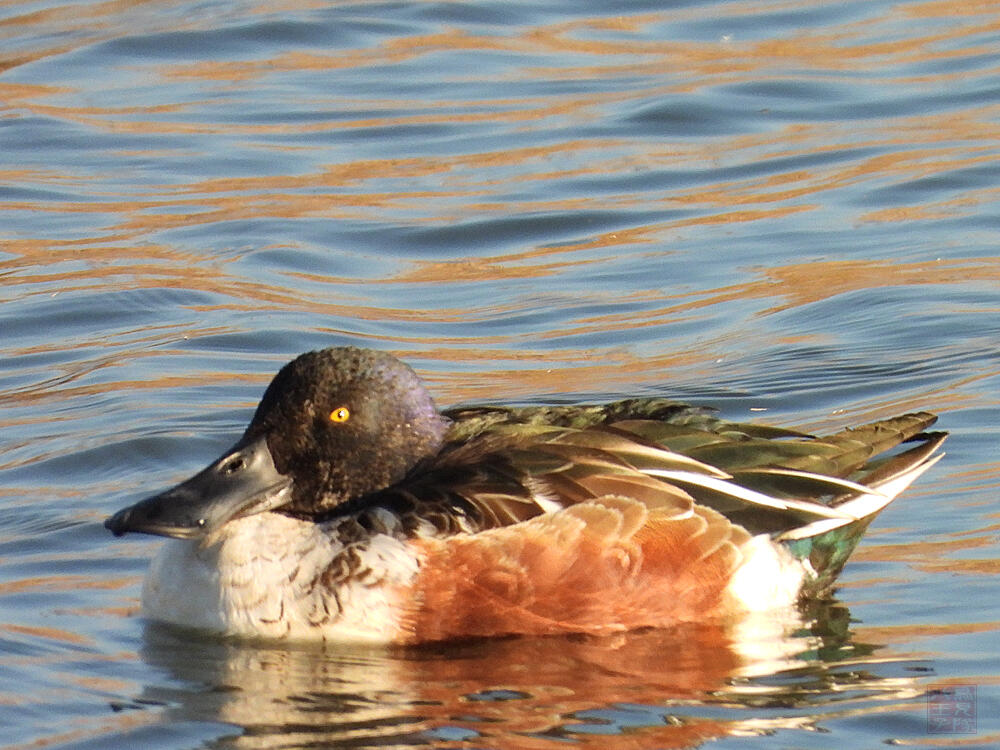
(786, 210)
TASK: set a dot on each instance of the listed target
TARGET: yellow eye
(340, 414)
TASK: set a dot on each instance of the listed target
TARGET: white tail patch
(769, 578)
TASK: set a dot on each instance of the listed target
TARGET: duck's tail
(825, 545)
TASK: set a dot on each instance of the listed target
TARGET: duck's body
(352, 509)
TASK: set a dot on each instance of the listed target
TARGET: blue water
(786, 210)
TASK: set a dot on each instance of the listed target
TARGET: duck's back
(639, 513)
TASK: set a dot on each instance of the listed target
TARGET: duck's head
(332, 426)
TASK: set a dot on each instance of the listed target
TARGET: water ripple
(788, 210)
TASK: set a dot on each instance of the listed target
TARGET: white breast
(272, 576)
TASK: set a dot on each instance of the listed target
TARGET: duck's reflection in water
(664, 688)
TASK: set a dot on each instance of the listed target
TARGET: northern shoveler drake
(351, 508)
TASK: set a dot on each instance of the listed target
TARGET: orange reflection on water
(693, 66)
(551, 368)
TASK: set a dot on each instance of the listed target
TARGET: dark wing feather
(503, 465)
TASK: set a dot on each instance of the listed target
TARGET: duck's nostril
(234, 465)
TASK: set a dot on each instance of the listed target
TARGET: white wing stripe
(751, 496)
(846, 484)
(867, 504)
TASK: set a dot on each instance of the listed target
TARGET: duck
(353, 509)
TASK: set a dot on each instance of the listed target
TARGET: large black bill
(241, 483)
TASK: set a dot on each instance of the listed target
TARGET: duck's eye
(340, 414)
